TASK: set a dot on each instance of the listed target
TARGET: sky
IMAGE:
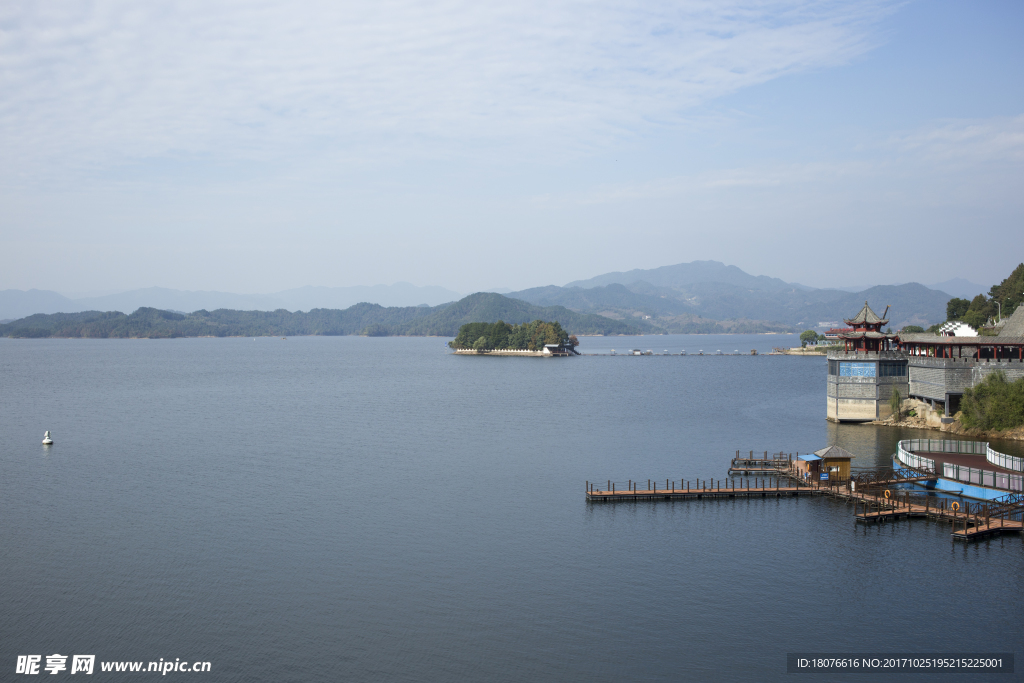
(262, 145)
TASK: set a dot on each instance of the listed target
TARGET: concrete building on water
(933, 368)
(862, 376)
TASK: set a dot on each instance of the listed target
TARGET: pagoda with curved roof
(863, 377)
(867, 335)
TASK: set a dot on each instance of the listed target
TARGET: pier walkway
(757, 488)
(875, 494)
(968, 523)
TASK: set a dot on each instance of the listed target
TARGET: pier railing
(914, 460)
(944, 446)
(1010, 462)
(971, 475)
(1009, 507)
(968, 475)
(680, 485)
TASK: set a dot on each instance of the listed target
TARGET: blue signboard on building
(856, 369)
(824, 475)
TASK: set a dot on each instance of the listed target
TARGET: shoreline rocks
(927, 418)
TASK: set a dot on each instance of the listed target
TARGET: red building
(866, 334)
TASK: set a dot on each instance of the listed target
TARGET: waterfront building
(933, 368)
(833, 333)
(559, 350)
(831, 463)
(862, 376)
(941, 367)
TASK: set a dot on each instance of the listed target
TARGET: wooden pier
(874, 494)
(757, 464)
(755, 487)
(967, 526)
(969, 521)
(978, 529)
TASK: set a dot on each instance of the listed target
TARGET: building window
(857, 370)
(833, 367)
(892, 369)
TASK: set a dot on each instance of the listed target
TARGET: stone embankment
(926, 418)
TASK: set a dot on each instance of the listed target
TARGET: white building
(955, 328)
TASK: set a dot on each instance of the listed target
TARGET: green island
(500, 336)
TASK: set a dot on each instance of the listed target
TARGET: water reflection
(874, 445)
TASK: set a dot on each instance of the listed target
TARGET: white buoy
(47, 440)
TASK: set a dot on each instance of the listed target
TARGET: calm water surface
(380, 510)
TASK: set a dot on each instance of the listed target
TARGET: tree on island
(808, 336)
(502, 336)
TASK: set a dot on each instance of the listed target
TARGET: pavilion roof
(834, 452)
(866, 315)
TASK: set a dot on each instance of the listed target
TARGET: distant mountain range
(702, 296)
(363, 318)
(676, 308)
(958, 287)
(688, 296)
(684, 274)
(15, 303)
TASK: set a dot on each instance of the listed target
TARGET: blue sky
(258, 146)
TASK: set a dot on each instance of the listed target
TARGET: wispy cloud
(972, 152)
(97, 84)
(958, 142)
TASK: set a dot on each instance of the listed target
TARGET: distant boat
(47, 441)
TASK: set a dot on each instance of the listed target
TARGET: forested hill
(368, 319)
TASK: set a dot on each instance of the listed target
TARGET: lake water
(345, 508)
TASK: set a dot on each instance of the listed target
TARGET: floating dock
(757, 464)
